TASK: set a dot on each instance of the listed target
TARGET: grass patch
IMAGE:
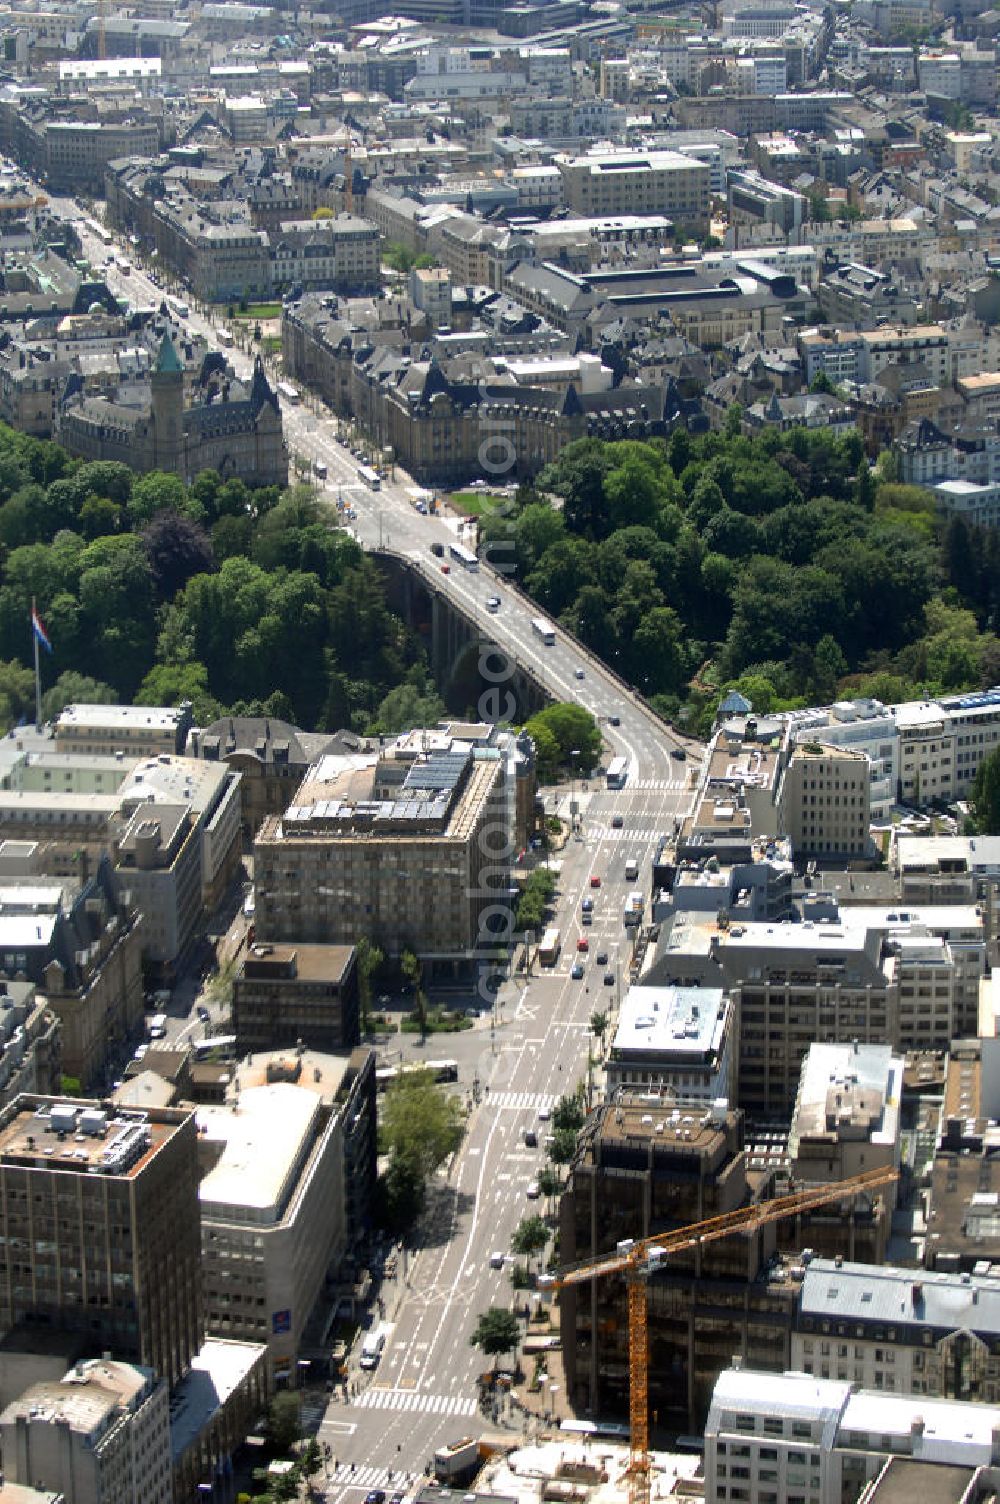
(271, 344)
(439, 1021)
(258, 311)
(475, 503)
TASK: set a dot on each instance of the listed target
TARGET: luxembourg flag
(39, 630)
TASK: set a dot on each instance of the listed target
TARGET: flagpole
(38, 672)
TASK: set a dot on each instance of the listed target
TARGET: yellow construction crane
(637, 1259)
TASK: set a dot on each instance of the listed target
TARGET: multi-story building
(30, 1042)
(785, 1437)
(290, 1169)
(753, 199)
(825, 798)
(864, 726)
(132, 730)
(270, 756)
(101, 1435)
(893, 345)
(900, 1331)
(80, 943)
(100, 1217)
(846, 1114)
(341, 254)
(676, 1039)
(623, 182)
(390, 845)
(285, 993)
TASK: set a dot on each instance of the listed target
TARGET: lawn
(439, 1021)
(259, 311)
(477, 503)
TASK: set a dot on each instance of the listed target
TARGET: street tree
(421, 1124)
(369, 958)
(410, 966)
(496, 1332)
(530, 1236)
(568, 1113)
(598, 1024)
(563, 1146)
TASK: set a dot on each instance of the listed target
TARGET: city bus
(549, 947)
(289, 392)
(464, 556)
(543, 629)
(178, 307)
(617, 774)
(222, 1045)
(441, 1070)
(370, 477)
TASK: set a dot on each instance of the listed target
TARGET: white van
(371, 1349)
(158, 1026)
(631, 869)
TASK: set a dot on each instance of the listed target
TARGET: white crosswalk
(365, 1477)
(521, 1101)
(626, 833)
(658, 785)
(409, 1399)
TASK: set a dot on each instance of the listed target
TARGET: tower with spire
(167, 383)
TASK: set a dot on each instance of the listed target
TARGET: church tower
(167, 382)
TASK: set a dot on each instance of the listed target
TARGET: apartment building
(825, 798)
(755, 200)
(792, 1436)
(391, 845)
(623, 182)
(285, 993)
(902, 345)
(341, 254)
(30, 1042)
(289, 1172)
(101, 1435)
(100, 1215)
(270, 756)
(675, 1039)
(900, 1331)
(863, 726)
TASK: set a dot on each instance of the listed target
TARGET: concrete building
(271, 757)
(211, 792)
(755, 200)
(290, 1169)
(285, 993)
(681, 1040)
(785, 1437)
(102, 1210)
(891, 345)
(846, 1114)
(30, 1043)
(865, 726)
(826, 801)
(213, 1409)
(130, 730)
(101, 1435)
(391, 845)
(340, 254)
(623, 182)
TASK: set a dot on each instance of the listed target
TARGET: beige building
(826, 801)
(131, 730)
(631, 182)
(283, 1160)
(101, 1435)
(410, 846)
(101, 1208)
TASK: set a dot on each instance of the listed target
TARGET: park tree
(496, 1332)
(284, 1421)
(413, 971)
(421, 1126)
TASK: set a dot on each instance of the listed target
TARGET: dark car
(679, 753)
(609, 979)
(602, 958)
(397, 1499)
(376, 1496)
(577, 972)
(203, 1013)
(614, 720)
(617, 822)
(437, 549)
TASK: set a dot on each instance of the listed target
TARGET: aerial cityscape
(500, 752)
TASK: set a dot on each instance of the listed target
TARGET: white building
(857, 726)
(101, 1435)
(679, 1038)
(846, 1115)
(779, 1439)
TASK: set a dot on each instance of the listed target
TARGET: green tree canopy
(496, 1332)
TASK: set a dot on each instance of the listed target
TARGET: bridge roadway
(388, 518)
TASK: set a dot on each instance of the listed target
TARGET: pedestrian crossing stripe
(657, 785)
(409, 1399)
(521, 1101)
(369, 1476)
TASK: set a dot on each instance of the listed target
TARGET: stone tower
(167, 382)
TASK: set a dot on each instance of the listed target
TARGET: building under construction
(644, 1166)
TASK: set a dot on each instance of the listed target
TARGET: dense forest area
(152, 591)
(781, 564)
